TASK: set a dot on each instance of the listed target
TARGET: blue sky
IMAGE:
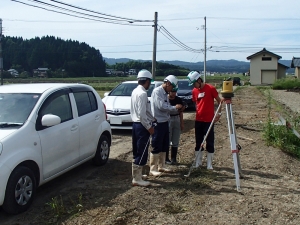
(235, 28)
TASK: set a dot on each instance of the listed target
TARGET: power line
(128, 19)
(80, 13)
(173, 39)
(103, 19)
(245, 18)
(232, 18)
(107, 18)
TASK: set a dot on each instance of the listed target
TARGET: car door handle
(74, 127)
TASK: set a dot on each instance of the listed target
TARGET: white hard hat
(175, 89)
(193, 76)
(144, 74)
(172, 79)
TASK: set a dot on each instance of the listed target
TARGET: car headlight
(1, 148)
(187, 97)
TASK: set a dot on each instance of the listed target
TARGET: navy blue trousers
(140, 144)
(160, 138)
(201, 129)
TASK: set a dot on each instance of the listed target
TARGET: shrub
(286, 83)
(280, 136)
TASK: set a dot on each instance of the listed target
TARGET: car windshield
(15, 108)
(184, 85)
(125, 89)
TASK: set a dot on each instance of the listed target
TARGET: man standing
(175, 126)
(204, 95)
(161, 109)
(142, 128)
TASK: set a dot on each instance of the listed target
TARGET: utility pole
(204, 48)
(1, 59)
(154, 46)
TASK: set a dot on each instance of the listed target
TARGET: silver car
(118, 103)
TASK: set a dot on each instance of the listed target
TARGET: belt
(175, 115)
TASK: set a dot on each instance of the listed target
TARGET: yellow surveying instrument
(227, 94)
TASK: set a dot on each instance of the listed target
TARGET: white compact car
(118, 103)
(46, 130)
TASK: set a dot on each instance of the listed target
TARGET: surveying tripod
(227, 94)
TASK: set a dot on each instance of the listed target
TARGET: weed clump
(281, 136)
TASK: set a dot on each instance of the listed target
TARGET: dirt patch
(270, 188)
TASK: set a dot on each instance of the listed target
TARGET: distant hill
(75, 59)
(211, 65)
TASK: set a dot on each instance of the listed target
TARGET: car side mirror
(50, 120)
(106, 94)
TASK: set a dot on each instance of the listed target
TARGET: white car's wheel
(20, 190)
(103, 150)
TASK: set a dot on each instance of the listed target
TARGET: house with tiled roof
(265, 68)
(296, 64)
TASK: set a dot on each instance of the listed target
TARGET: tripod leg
(239, 165)
(238, 154)
(233, 144)
(235, 162)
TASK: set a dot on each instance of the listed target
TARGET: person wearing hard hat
(175, 126)
(204, 95)
(161, 109)
(141, 115)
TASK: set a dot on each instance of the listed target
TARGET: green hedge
(286, 83)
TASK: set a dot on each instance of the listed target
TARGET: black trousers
(201, 129)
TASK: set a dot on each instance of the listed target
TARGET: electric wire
(133, 20)
(177, 42)
(119, 22)
(72, 11)
(231, 18)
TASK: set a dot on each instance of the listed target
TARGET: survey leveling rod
(227, 94)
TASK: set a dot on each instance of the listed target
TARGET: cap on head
(193, 76)
(172, 79)
(144, 74)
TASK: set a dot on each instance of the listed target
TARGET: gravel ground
(270, 187)
(287, 98)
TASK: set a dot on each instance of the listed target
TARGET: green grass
(286, 83)
(280, 136)
(59, 209)
(105, 84)
(101, 93)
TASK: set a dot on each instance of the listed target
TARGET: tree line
(61, 57)
(162, 69)
(67, 58)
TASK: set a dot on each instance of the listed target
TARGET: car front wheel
(102, 152)
(20, 190)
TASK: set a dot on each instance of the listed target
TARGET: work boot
(209, 161)
(161, 163)
(198, 158)
(168, 161)
(154, 165)
(174, 155)
(137, 176)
